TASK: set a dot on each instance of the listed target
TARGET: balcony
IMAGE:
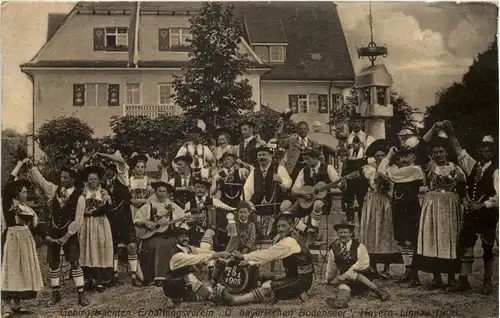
(151, 111)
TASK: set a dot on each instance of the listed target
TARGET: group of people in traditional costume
(220, 201)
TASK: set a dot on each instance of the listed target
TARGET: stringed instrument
(160, 226)
(319, 190)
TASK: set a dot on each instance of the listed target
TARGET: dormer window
(116, 39)
(270, 53)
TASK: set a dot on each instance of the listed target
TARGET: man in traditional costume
(348, 268)
(407, 179)
(247, 148)
(201, 155)
(211, 231)
(295, 147)
(315, 171)
(297, 261)
(116, 181)
(65, 221)
(183, 181)
(265, 186)
(229, 180)
(182, 282)
(480, 209)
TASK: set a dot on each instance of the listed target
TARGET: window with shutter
(323, 104)
(293, 102)
(99, 39)
(113, 94)
(78, 94)
(163, 40)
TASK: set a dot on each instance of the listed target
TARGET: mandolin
(319, 190)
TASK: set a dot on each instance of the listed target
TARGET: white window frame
(119, 37)
(283, 53)
(96, 85)
(268, 52)
(170, 98)
(299, 99)
(133, 90)
(179, 33)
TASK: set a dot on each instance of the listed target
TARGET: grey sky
(431, 45)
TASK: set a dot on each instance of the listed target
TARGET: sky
(431, 45)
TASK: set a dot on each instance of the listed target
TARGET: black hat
(247, 123)
(155, 185)
(355, 116)
(71, 171)
(202, 181)
(312, 152)
(181, 230)
(221, 131)
(266, 148)
(287, 216)
(186, 158)
(377, 145)
(135, 159)
(20, 183)
(228, 154)
(344, 224)
(244, 205)
(93, 170)
(195, 130)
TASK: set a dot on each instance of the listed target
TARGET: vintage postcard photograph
(249, 159)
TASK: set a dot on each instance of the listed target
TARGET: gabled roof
(310, 29)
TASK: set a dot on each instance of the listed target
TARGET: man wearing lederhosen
(116, 181)
(356, 188)
(67, 209)
(314, 172)
(265, 186)
(480, 209)
(229, 180)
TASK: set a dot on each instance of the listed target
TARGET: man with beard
(265, 186)
(182, 283)
(116, 181)
(67, 215)
(480, 209)
(297, 262)
(295, 147)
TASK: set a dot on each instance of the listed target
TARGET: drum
(237, 279)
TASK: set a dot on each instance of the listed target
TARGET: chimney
(55, 19)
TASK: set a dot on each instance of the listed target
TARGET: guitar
(160, 226)
(319, 191)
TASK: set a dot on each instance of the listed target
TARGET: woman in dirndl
(21, 274)
(156, 250)
(96, 240)
(377, 225)
(440, 216)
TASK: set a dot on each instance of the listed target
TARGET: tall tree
(472, 104)
(209, 89)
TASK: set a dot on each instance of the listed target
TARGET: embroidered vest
(139, 187)
(182, 196)
(300, 263)
(480, 186)
(231, 192)
(345, 261)
(63, 215)
(407, 191)
(321, 175)
(120, 194)
(264, 187)
(207, 219)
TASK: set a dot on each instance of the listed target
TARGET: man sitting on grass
(348, 268)
(297, 262)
